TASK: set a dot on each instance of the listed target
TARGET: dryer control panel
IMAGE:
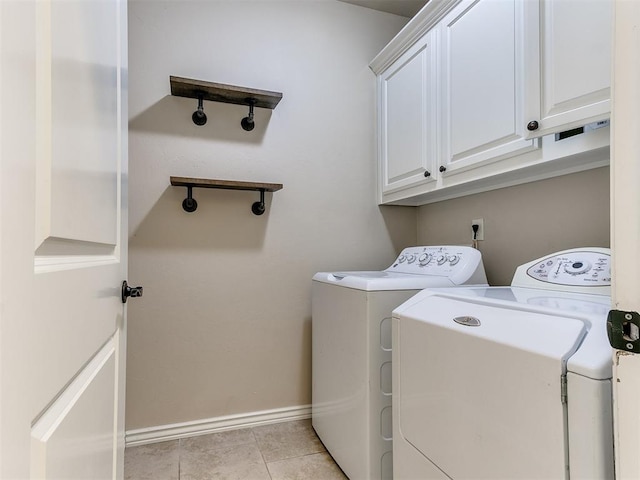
(587, 268)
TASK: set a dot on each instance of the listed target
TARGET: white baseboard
(173, 431)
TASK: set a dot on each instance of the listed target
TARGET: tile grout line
(179, 456)
(266, 465)
(302, 456)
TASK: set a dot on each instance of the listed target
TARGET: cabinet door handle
(532, 125)
(442, 169)
(427, 173)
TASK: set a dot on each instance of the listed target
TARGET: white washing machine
(507, 382)
(351, 344)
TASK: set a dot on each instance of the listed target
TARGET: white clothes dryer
(351, 345)
(507, 382)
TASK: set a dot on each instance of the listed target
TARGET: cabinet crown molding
(420, 24)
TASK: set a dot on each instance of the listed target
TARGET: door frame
(625, 227)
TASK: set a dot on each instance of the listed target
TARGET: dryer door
(484, 401)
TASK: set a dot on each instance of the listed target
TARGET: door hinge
(563, 389)
(623, 330)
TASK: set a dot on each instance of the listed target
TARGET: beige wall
(224, 324)
(524, 222)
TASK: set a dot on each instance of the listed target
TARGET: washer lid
(538, 332)
(381, 281)
(484, 400)
(593, 359)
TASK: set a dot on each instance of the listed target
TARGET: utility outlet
(480, 223)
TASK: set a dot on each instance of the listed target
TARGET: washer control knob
(411, 258)
(401, 259)
(424, 259)
(453, 259)
(577, 267)
(441, 259)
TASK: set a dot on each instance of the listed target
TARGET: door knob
(128, 291)
(532, 125)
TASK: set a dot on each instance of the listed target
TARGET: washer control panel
(582, 268)
(441, 260)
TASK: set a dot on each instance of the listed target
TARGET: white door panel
(577, 49)
(65, 341)
(85, 121)
(483, 83)
(63, 238)
(568, 63)
(77, 113)
(408, 118)
(469, 127)
(405, 92)
(70, 440)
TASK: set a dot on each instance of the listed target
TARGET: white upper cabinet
(470, 93)
(483, 87)
(568, 67)
(407, 118)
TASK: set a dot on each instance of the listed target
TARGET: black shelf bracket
(190, 205)
(258, 207)
(220, 92)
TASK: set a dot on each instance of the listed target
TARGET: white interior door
(63, 154)
(625, 227)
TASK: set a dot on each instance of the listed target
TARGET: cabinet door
(569, 63)
(483, 84)
(407, 119)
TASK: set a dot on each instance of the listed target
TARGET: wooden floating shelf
(224, 184)
(219, 92)
(189, 204)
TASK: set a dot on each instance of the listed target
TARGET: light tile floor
(283, 451)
